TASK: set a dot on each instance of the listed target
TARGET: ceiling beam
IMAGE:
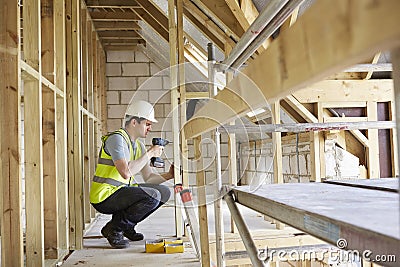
(119, 34)
(113, 16)
(289, 65)
(116, 25)
(111, 3)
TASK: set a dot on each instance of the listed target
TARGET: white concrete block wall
(131, 75)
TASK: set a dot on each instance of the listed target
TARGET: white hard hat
(141, 109)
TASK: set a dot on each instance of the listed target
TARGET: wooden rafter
(220, 11)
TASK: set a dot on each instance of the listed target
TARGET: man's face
(144, 128)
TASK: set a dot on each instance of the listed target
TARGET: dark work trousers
(130, 205)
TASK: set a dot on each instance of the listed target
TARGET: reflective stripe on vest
(109, 181)
(108, 162)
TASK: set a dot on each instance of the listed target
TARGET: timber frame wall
(53, 68)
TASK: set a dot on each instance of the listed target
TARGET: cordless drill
(158, 162)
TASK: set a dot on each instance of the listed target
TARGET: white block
(159, 111)
(128, 96)
(154, 69)
(113, 124)
(135, 69)
(166, 82)
(113, 69)
(120, 56)
(112, 97)
(163, 125)
(141, 57)
(150, 83)
(167, 110)
(122, 83)
(116, 111)
(158, 96)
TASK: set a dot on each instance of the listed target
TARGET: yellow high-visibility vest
(107, 179)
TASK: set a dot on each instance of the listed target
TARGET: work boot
(132, 235)
(114, 237)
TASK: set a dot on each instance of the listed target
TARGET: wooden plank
(341, 91)
(343, 119)
(113, 16)
(33, 147)
(182, 91)
(61, 126)
(174, 105)
(111, 4)
(393, 142)
(299, 108)
(201, 195)
(240, 14)
(12, 253)
(197, 95)
(293, 66)
(74, 124)
(86, 163)
(384, 184)
(373, 148)
(84, 56)
(116, 25)
(49, 108)
(294, 204)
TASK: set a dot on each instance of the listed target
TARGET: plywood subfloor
(97, 252)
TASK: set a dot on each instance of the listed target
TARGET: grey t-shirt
(117, 147)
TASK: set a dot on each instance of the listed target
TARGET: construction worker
(114, 189)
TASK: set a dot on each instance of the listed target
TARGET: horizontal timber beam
(347, 90)
(116, 25)
(304, 54)
(308, 127)
(111, 3)
(114, 16)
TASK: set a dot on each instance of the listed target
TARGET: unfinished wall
(256, 161)
(131, 75)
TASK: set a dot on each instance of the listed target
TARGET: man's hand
(155, 151)
(170, 174)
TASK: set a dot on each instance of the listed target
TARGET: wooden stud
(393, 142)
(373, 149)
(277, 146)
(61, 126)
(12, 253)
(74, 124)
(49, 109)
(201, 192)
(174, 105)
(182, 91)
(33, 147)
